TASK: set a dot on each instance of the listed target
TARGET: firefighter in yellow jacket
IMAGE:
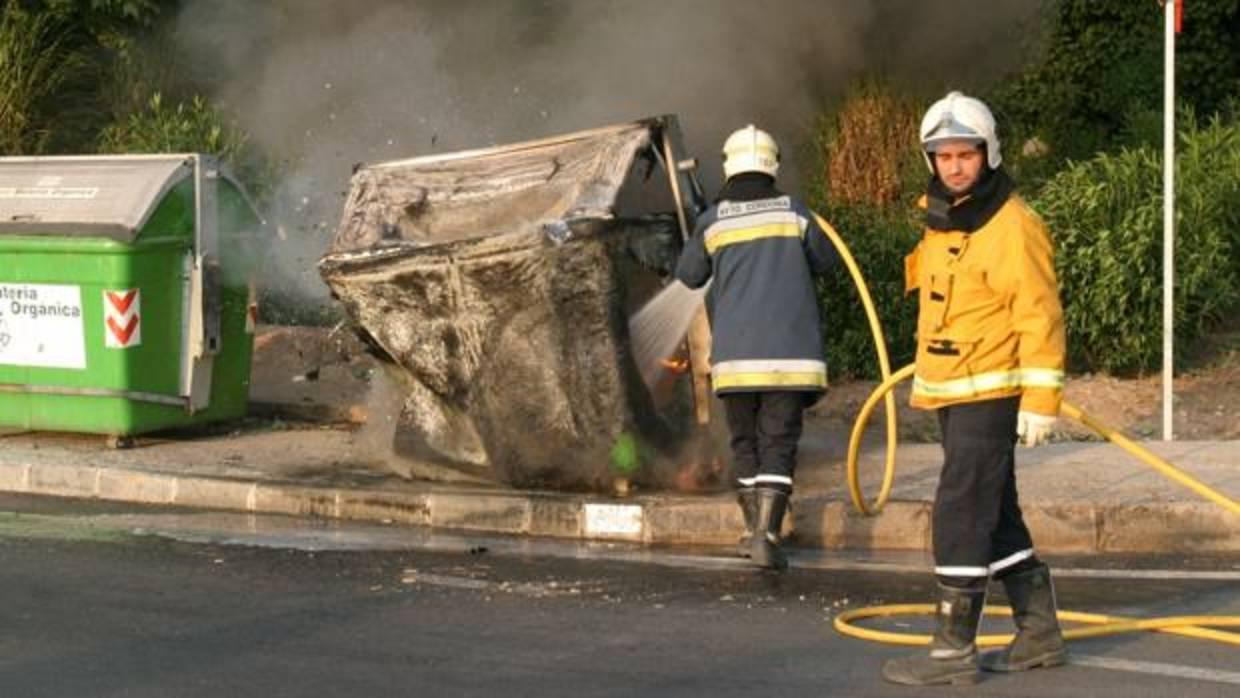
(990, 362)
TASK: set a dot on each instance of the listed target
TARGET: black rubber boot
(1039, 640)
(953, 652)
(764, 546)
(747, 497)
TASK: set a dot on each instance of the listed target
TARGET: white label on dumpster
(616, 520)
(49, 192)
(41, 325)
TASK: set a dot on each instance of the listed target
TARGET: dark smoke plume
(324, 84)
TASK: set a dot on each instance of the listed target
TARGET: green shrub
(187, 127)
(1106, 217)
(878, 239)
(1098, 76)
(82, 46)
(193, 126)
(34, 63)
(97, 12)
(140, 65)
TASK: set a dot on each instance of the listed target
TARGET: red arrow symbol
(122, 301)
(123, 333)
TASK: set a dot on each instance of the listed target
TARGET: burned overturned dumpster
(497, 282)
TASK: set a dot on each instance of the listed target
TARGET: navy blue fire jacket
(762, 252)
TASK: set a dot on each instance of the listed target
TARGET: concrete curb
(1171, 527)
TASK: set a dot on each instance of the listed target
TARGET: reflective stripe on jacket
(763, 303)
(990, 322)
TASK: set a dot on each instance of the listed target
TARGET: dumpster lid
(476, 193)
(88, 196)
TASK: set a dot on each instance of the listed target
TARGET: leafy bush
(189, 127)
(1098, 76)
(33, 64)
(140, 65)
(79, 47)
(186, 127)
(878, 239)
(100, 12)
(1106, 217)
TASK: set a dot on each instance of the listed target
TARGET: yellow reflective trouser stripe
(769, 365)
(987, 382)
(772, 230)
(771, 379)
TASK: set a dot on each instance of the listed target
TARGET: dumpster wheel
(120, 442)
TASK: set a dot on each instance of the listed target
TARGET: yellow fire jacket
(990, 323)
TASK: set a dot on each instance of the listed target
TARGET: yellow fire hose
(1102, 625)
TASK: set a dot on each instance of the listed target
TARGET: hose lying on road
(1104, 625)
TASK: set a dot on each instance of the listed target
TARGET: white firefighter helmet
(750, 149)
(958, 117)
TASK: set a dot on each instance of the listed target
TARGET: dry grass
(867, 150)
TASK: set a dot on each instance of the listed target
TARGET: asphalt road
(113, 600)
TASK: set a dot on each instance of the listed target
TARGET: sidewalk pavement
(1077, 497)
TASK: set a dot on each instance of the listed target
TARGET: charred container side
(497, 284)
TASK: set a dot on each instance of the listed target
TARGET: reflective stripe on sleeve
(1041, 378)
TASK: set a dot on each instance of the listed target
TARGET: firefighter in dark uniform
(760, 249)
(990, 362)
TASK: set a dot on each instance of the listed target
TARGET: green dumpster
(126, 300)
